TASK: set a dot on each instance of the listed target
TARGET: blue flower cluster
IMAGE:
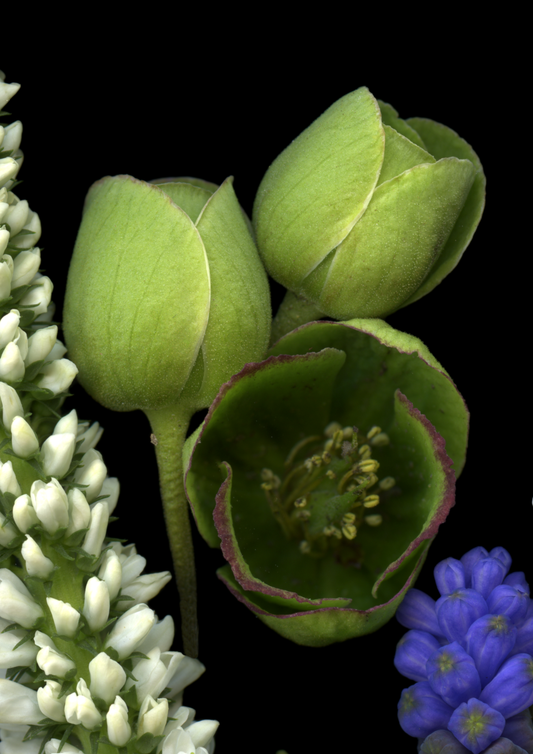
(471, 655)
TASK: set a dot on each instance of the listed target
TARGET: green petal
(390, 118)
(443, 142)
(238, 329)
(254, 421)
(134, 248)
(400, 155)
(380, 360)
(387, 257)
(317, 188)
(191, 199)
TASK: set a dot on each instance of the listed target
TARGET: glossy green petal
(317, 188)
(390, 117)
(386, 263)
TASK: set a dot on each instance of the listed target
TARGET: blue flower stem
(169, 427)
(293, 312)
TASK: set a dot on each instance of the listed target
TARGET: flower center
(323, 500)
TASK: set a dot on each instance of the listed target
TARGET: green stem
(293, 312)
(169, 427)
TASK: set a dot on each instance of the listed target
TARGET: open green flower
(323, 475)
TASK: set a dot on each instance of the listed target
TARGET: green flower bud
(166, 295)
(364, 212)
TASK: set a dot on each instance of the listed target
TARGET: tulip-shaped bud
(364, 212)
(50, 659)
(154, 673)
(50, 702)
(138, 243)
(161, 635)
(38, 298)
(188, 671)
(152, 716)
(107, 677)
(65, 617)
(90, 437)
(452, 674)
(489, 641)
(487, 574)
(6, 268)
(449, 576)
(8, 168)
(11, 364)
(16, 216)
(511, 689)
(37, 564)
(202, 731)
(94, 539)
(56, 454)
(7, 532)
(111, 572)
(23, 438)
(24, 513)
(67, 424)
(33, 224)
(506, 600)
(469, 560)
(9, 324)
(518, 580)
(457, 611)
(12, 653)
(80, 708)
(144, 588)
(25, 267)
(51, 505)
(91, 474)
(6, 92)
(111, 489)
(40, 344)
(418, 611)
(79, 511)
(59, 349)
(130, 630)
(96, 604)
(118, 728)
(132, 563)
(57, 376)
(476, 725)
(8, 480)
(421, 710)
(412, 653)
(19, 705)
(502, 555)
(11, 405)
(12, 136)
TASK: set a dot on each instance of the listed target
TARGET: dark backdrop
(108, 109)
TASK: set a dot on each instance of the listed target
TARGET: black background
(116, 105)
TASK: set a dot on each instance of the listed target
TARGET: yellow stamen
(349, 531)
(373, 432)
(374, 520)
(371, 501)
(387, 483)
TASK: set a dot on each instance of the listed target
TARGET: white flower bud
(152, 716)
(37, 564)
(39, 297)
(12, 136)
(130, 630)
(49, 702)
(79, 511)
(94, 538)
(80, 708)
(24, 514)
(4, 206)
(18, 704)
(107, 677)
(132, 564)
(16, 603)
(144, 588)
(111, 572)
(96, 604)
(11, 657)
(8, 480)
(16, 216)
(11, 405)
(59, 349)
(92, 473)
(50, 659)
(23, 438)
(189, 670)
(6, 92)
(25, 267)
(202, 731)
(40, 344)
(8, 168)
(21, 340)
(8, 327)
(5, 270)
(111, 488)
(161, 635)
(50, 503)
(56, 454)
(154, 673)
(90, 437)
(118, 728)
(65, 617)
(34, 224)
(7, 532)
(52, 747)
(58, 375)
(11, 364)
(67, 424)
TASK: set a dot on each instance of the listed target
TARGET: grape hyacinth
(471, 655)
(85, 664)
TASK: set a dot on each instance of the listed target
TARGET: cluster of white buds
(85, 663)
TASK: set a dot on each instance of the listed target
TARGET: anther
(373, 432)
(301, 502)
(328, 530)
(349, 531)
(365, 452)
(374, 520)
(367, 466)
(348, 518)
(326, 457)
(371, 501)
(379, 441)
(332, 428)
(387, 483)
(347, 433)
